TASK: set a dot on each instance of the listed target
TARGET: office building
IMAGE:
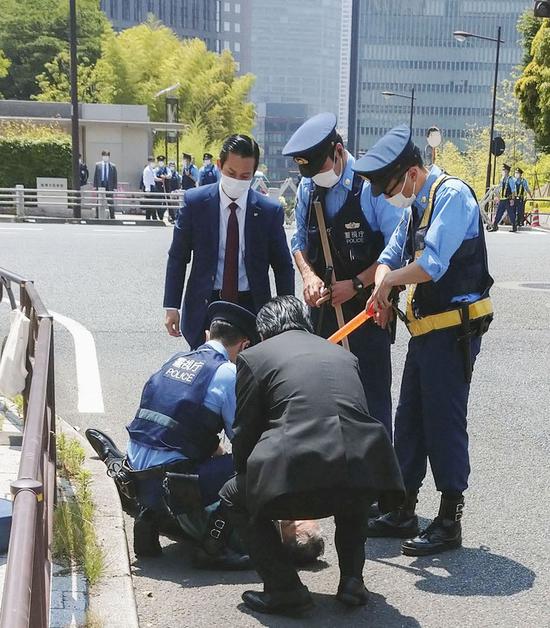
(401, 44)
(295, 55)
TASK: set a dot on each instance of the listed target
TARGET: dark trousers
(372, 347)
(430, 421)
(520, 211)
(506, 206)
(271, 559)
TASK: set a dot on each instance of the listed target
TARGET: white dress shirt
(149, 178)
(225, 212)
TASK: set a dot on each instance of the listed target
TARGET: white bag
(13, 371)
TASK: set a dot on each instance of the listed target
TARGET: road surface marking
(120, 230)
(21, 229)
(88, 380)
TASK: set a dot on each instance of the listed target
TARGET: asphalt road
(109, 279)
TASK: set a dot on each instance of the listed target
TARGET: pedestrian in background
(174, 187)
(83, 171)
(162, 178)
(209, 173)
(149, 179)
(234, 236)
(189, 173)
(106, 176)
(522, 189)
(506, 199)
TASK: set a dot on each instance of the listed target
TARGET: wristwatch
(357, 284)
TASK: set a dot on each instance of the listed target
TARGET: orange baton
(352, 325)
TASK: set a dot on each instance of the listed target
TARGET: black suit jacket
(112, 177)
(302, 425)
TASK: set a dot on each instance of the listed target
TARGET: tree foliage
(140, 61)
(34, 32)
(533, 86)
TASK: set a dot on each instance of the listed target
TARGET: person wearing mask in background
(106, 176)
(149, 179)
(173, 186)
(209, 173)
(522, 189)
(83, 170)
(163, 176)
(189, 173)
(358, 226)
(506, 201)
(234, 236)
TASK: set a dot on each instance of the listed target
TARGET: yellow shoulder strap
(426, 218)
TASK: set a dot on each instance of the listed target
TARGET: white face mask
(400, 200)
(161, 163)
(207, 162)
(105, 158)
(234, 188)
(327, 179)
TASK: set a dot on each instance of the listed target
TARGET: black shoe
(352, 592)
(146, 535)
(514, 228)
(224, 560)
(492, 228)
(103, 445)
(444, 533)
(397, 524)
(279, 603)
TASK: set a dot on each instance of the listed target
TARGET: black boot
(444, 532)
(104, 446)
(398, 524)
(352, 592)
(293, 602)
(214, 552)
(146, 534)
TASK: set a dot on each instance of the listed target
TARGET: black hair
(226, 333)
(282, 314)
(304, 553)
(106, 153)
(241, 145)
(161, 158)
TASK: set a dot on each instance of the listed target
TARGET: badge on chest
(353, 233)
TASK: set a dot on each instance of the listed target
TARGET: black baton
(464, 341)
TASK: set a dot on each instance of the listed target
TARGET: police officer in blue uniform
(522, 189)
(439, 251)
(358, 226)
(189, 173)
(209, 173)
(507, 193)
(183, 408)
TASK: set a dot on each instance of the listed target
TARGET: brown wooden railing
(26, 596)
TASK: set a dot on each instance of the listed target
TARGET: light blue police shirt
(215, 170)
(220, 398)
(455, 218)
(380, 215)
(193, 171)
(522, 183)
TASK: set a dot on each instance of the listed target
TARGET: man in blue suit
(234, 236)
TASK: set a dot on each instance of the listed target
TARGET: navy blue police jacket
(196, 237)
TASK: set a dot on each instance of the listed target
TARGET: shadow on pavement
(469, 571)
(329, 612)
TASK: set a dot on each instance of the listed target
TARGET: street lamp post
(462, 36)
(411, 98)
(74, 108)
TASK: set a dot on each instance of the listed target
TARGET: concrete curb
(112, 600)
(127, 222)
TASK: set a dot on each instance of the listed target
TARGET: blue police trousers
(505, 206)
(430, 421)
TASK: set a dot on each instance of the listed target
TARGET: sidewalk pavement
(121, 220)
(111, 601)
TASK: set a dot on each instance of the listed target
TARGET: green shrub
(28, 151)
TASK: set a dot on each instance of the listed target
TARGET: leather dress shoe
(224, 560)
(279, 602)
(103, 445)
(439, 536)
(395, 525)
(352, 592)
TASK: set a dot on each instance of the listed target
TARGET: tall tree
(36, 31)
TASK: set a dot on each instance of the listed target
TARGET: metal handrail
(26, 596)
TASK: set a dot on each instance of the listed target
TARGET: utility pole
(74, 106)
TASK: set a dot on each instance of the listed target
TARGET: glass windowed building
(401, 44)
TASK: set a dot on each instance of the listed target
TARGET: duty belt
(450, 318)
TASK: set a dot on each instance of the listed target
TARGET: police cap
(312, 143)
(186, 156)
(235, 315)
(207, 156)
(388, 159)
(519, 170)
(506, 167)
(161, 158)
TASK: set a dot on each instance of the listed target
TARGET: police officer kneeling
(305, 447)
(183, 408)
(439, 251)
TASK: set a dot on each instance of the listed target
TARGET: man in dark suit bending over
(234, 236)
(305, 447)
